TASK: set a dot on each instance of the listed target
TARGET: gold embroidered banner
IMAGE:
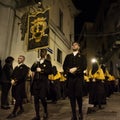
(38, 30)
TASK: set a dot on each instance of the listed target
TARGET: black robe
(39, 86)
(19, 75)
(75, 81)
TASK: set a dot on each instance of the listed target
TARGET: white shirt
(41, 61)
(19, 64)
(75, 53)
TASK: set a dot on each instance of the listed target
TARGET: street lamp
(94, 60)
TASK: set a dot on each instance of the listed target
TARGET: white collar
(75, 53)
(19, 64)
(42, 60)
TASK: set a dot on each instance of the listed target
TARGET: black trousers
(4, 95)
(73, 102)
(18, 104)
(53, 92)
(37, 105)
(63, 89)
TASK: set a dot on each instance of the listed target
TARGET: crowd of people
(23, 84)
(43, 82)
(100, 85)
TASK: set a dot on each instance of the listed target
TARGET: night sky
(89, 8)
(89, 12)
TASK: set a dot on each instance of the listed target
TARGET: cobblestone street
(62, 111)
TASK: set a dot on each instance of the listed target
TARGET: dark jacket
(6, 73)
(19, 74)
(74, 81)
(39, 85)
(0, 70)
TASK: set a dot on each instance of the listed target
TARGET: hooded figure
(96, 86)
(6, 73)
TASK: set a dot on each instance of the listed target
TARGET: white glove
(93, 80)
(73, 70)
(38, 69)
(13, 82)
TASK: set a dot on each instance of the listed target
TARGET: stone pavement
(62, 111)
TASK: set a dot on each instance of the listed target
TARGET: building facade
(102, 37)
(61, 30)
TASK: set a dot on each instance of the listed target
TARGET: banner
(38, 30)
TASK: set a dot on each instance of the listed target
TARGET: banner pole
(38, 53)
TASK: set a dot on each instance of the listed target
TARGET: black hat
(9, 59)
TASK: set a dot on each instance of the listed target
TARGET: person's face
(75, 46)
(20, 59)
(43, 53)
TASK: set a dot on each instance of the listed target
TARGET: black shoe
(100, 107)
(54, 102)
(80, 116)
(8, 107)
(20, 112)
(91, 110)
(5, 107)
(74, 118)
(10, 116)
(36, 118)
(45, 116)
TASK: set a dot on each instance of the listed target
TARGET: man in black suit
(74, 65)
(18, 86)
(39, 88)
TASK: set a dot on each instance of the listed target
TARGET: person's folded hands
(73, 70)
(13, 82)
(38, 69)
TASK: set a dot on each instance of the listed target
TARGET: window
(59, 56)
(61, 20)
(119, 56)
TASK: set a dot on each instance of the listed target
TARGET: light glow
(93, 60)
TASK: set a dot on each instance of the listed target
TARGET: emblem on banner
(38, 30)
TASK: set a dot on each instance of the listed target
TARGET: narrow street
(62, 111)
